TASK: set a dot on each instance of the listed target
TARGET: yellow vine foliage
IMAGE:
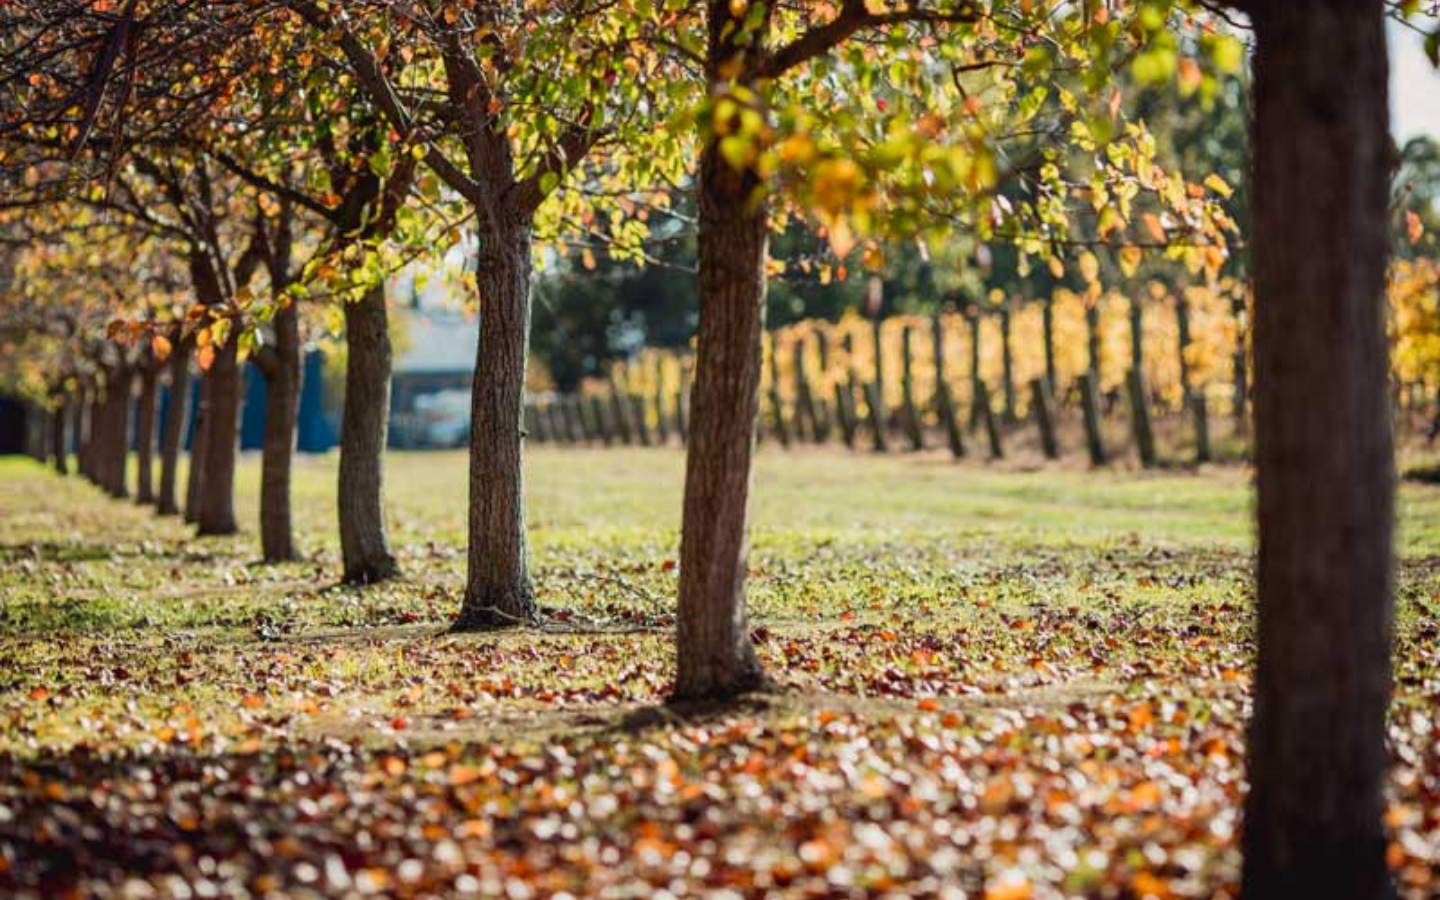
(831, 353)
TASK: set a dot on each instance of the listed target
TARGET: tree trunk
(1325, 475)
(282, 403)
(174, 436)
(117, 432)
(145, 433)
(1239, 366)
(79, 422)
(1007, 357)
(1052, 372)
(498, 592)
(715, 656)
(58, 450)
(364, 544)
(222, 424)
(199, 440)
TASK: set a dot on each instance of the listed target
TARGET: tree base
(372, 572)
(746, 683)
(478, 616)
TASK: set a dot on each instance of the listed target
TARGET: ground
(998, 684)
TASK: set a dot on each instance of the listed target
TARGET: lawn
(998, 684)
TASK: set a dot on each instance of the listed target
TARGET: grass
(1030, 682)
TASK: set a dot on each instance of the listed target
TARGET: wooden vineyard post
(877, 417)
(1140, 418)
(845, 388)
(682, 401)
(777, 403)
(641, 418)
(973, 316)
(1198, 409)
(620, 414)
(944, 402)
(805, 421)
(534, 428)
(1044, 404)
(822, 410)
(1051, 367)
(1090, 405)
(574, 421)
(910, 411)
(987, 417)
(662, 424)
(1007, 357)
(602, 420)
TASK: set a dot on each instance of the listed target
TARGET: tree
(527, 93)
(1324, 470)
(892, 137)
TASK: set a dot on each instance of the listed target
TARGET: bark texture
(364, 544)
(175, 423)
(145, 433)
(1324, 467)
(715, 656)
(198, 441)
(498, 591)
(115, 448)
(59, 452)
(222, 427)
(281, 368)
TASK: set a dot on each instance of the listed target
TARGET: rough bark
(198, 442)
(145, 434)
(498, 591)
(222, 427)
(58, 450)
(116, 448)
(1325, 474)
(364, 544)
(79, 422)
(281, 368)
(715, 656)
(175, 424)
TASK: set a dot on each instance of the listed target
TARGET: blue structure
(318, 428)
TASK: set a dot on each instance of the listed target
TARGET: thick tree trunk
(222, 426)
(58, 450)
(364, 545)
(1324, 467)
(199, 441)
(497, 584)
(174, 437)
(145, 434)
(79, 422)
(715, 656)
(1240, 368)
(282, 404)
(117, 432)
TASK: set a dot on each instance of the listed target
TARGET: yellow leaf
(160, 346)
(1130, 260)
(1089, 267)
(1218, 185)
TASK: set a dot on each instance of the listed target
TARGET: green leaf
(1229, 54)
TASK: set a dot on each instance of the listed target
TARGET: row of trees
(286, 153)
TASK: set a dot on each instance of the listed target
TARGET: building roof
(437, 341)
